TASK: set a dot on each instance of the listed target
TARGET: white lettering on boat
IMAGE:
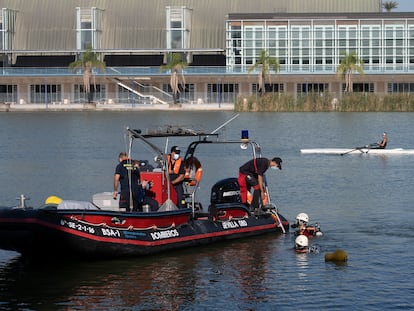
(111, 232)
(230, 193)
(242, 223)
(230, 225)
(159, 235)
(234, 224)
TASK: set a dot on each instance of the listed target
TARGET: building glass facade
(316, 45)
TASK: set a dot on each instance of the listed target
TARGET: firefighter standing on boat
(176, 171)
(128, 177)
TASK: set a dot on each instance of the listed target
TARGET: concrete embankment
(10, 107)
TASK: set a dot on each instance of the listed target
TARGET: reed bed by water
(325, 102)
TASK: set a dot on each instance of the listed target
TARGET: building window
(7, 28)
(361, 87)
(303, 89)
(45, 93)
(394, 46)
(323, 48)
(269, 88)
(88, 28)
(253, 41)
(234, 44)
(178, 27)
(186, 94)
(222, 92)
(8, 93)
(411, 45)
(97, 93)
(300, 52)
(347, 39)
(400, 87)
(277, 36)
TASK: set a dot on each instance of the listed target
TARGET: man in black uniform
(125, 172)
(251, 176)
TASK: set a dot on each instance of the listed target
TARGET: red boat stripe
(135, 242)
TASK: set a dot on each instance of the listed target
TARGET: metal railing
(199, 70)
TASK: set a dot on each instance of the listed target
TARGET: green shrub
(356, 102)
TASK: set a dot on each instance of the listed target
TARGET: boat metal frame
(201, 139)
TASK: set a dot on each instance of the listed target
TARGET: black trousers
(180, 195)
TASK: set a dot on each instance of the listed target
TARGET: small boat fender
(53, 200)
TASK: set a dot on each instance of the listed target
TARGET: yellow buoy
(338, 255)
(53, 200)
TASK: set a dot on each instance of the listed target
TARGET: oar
(356, 148)
(370, 146)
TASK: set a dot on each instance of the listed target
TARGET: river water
(364, 204)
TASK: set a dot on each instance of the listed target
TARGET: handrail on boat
(181, 131)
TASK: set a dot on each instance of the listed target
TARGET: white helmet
(302, 219)
(301, 241)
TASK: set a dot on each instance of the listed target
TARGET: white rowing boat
(362, 150)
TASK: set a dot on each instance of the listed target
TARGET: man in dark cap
(251, 176)
(176, 171)
(127, 175)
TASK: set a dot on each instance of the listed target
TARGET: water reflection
(163, 282)
(363, 202)
(302, 265)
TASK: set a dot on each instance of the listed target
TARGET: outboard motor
(225, 191)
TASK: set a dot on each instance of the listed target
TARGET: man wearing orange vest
(176, 171)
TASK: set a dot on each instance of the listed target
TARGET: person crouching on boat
(302, 223)
(251, 176)
(125, 172)
(176, 171)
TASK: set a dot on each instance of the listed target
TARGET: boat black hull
(50, 234)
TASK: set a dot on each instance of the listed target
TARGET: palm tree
(88, 61)
(176, 65)
(349, 63)
(390, 5)
(265, 63)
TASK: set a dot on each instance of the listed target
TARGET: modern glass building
(314, 44)
(219, 39)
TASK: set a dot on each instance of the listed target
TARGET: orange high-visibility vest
(177, 164)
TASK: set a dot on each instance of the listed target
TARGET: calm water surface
(364, 204)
